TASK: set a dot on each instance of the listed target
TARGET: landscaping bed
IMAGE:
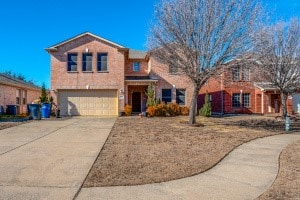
(150, 150)
(287, 183)
(7, 121)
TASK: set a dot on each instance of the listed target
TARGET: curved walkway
(245, 173)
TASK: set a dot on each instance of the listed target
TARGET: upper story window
(166, 95)
(236, 73)
(173, 69)
(102, 62)
(24, 97)
(72, 62)
(240, 73)
(18, 96)
(87, 59)
(180, 96)
(246, 74)
(136, 66)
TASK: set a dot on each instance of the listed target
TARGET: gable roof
(135, 54)
(54, 47)
(11, 81)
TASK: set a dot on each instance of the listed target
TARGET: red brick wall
(129, 68)
(113, 79)
(212, 87)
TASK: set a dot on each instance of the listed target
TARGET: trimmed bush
(185, 110)
(174, 109)
(128, 110)
(151, 111)
(161, 109)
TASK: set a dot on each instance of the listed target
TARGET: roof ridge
(81, 35)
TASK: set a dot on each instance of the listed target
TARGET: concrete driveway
(49, 159)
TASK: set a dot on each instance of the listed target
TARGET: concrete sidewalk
(245, 173)
(49, 159)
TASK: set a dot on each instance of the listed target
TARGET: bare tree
(197, 36)
(278, 52)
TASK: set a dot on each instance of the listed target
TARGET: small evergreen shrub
(206, 109)
(150, 93)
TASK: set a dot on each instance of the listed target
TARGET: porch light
(174, 86)
(86, 50)
(87, 87)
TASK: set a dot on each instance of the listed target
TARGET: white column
(269, 103)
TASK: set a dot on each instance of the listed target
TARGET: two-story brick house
(235, 92)
(94, 76)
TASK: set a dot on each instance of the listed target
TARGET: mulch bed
(151, 150)
(4, 125)
(287, 183)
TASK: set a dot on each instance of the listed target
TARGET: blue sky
(28, 27)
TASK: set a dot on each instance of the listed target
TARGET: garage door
(88, 102)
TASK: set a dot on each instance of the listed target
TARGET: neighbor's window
(136, 66)
(18, 96)
(236, 100)
(72, 62)
(87, 59)
(246, 100)
(246, 74)
(166, 95)
(236, 73)
(173, 69)
(102, 62)
(24, 96)
(180, 96)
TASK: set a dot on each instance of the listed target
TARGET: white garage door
(88, 102)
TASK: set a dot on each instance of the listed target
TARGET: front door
(136, 102)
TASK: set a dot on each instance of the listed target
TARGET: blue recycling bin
(12, 109)
(46, 110)
(34, 110)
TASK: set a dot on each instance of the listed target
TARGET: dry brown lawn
(287, 183)
(150, 150)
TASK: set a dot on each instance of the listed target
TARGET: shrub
(161, 109)
(151, 110)
(185, 110)
(206, 109)
(128, 110)
(150, 93)
(174, 109)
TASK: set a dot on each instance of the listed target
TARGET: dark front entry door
(136, 102)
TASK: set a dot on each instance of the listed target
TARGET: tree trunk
(193, 106)
(283, 104)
